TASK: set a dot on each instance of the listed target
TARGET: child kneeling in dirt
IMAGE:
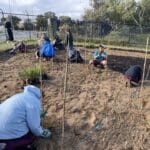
(20, 119)
(100, 57)
(133, 75)
(74, 56)
(46, 50)
(58, 43)
(19, 46)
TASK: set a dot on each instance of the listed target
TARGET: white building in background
(1, 27)
(21, 24)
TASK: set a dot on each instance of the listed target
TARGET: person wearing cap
(46, 49)
(133, 75)
(20, 119)
(99, 57)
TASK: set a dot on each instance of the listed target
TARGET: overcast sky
(72, 8)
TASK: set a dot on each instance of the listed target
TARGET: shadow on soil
(122, 63)
(5, 55)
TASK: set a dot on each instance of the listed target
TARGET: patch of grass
(32, 73)
(30, 43)
(4, 46)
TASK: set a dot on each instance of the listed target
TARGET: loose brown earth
(101, 113)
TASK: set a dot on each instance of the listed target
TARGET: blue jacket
(20, 114)
(47, 50)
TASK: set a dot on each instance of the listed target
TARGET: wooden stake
(144, 66)
(64, 101)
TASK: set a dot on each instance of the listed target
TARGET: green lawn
(4, 45)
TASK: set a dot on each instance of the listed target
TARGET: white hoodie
(21, 113)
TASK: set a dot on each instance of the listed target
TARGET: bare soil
(100, 113)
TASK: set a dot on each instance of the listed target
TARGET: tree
(15, 21)
(98, 12)
(115, 11)
(129, 11)
(65, 20)
(28, 25)
(140, 12)
(50, 14)
(41, 22)
(145, 6)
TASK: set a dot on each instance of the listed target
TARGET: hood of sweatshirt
(33, 90)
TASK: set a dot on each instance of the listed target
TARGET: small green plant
(32, 73)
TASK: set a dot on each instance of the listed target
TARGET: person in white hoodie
(20, 119)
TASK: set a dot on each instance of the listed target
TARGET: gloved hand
(43, 113)
(46, 134)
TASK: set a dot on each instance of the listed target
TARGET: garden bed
(101, 113)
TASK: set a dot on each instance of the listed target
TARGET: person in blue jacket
(99, 57)
(46, 50)
(20, 119)
(133, 75)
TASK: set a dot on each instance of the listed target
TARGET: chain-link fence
(83, 31)
(26, 29)
(110, 34)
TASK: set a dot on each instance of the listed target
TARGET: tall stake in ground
(144, 66)
(64, 101)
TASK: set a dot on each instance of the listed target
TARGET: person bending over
(46, 50)
(133, 75)
(20, 119)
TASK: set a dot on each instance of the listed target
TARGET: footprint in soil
(87, 122)
(90, 119)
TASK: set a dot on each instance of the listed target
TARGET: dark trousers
(10, 34)
(19, 143)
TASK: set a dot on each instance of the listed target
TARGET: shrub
(32, 73)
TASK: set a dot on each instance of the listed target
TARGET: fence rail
(92, 32)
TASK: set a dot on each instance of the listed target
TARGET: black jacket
(69, 39)
(134, 73)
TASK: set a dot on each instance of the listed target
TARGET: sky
(72, 8)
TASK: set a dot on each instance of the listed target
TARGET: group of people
(47, 49)
(21, 114)
(132, 76)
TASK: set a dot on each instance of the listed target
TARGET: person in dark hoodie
(73, 54)
(8, 27)
(58, 43)
(133, 75)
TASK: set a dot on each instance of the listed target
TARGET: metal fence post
(129, 34)
(3, 22)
